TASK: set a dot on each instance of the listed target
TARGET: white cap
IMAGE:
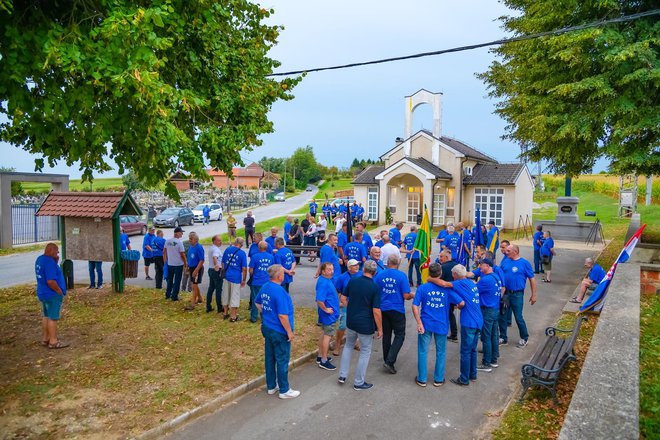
(353, 262)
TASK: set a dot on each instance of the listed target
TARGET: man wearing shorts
(51, 289)
(328, 308)
(234, 263)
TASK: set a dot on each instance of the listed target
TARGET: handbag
(223, 270)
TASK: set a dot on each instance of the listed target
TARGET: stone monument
(567, 224)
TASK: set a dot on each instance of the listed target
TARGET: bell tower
(419, 98)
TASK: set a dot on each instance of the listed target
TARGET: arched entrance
(405, 197)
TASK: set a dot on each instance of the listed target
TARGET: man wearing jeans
(175, 258)
(95, 267)
(517, 271)
(395, 290)
(489, 294)
(430, 308)
(471, 324)
(276, 310)
(363, 309)
(259, 264)
(412, 255)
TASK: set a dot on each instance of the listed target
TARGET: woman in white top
(310, 237)
(339, 221)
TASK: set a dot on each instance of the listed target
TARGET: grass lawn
(328, 187)
(75, 185)
(134, 362)
(24, 249)
(649, 365)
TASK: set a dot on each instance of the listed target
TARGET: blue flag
(478, 236)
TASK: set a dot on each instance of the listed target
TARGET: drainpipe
(460, 199)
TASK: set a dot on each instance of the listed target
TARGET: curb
(217, 402)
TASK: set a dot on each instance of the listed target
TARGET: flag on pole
(349, 222)
(423, 245)
(478, 234)
(596, 300)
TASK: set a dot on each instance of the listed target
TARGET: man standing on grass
(234, 263)
(327, 303)
(277, 328)
(175, 258)
(158, 246)
(258, 267)
(215, 281)
(517, 271)
(395, 290)
(51, 289)
(363, 298)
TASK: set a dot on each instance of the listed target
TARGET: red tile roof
(252, 170)
(81, 204)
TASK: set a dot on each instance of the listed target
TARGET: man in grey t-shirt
(174, 257)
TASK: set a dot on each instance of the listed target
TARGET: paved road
(18, 268)
(395, 408)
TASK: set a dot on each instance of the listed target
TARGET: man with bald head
(51, 289)
(517, 271)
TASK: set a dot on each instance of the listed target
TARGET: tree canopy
(157, 85)
(572, 98)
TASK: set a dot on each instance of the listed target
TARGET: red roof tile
(252, 170)
(81, 204)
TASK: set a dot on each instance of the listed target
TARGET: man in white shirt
(388, 249)
(215, 281)
(339, 222)
(175, 257)
(321, 224)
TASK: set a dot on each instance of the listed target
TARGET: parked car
(309, 188)
(279, 197)
(341, 200)
(216, 211)
(175, 217)
(132, 225)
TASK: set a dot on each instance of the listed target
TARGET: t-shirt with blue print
(434, 303)
(285, 257)
(516, 273)
(452, 241)
(274, 302)
(409, 241)
(234, 260)
(471, 312)
(490, 290)
(195, 255)
(393, 285)
(259, 263)
(46, 268)
(326, 292)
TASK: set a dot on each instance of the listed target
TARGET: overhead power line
(621, 19)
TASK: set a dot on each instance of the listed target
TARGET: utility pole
(285, 177)
(294, 179)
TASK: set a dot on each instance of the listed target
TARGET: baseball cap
(487, 261)
(353, 262)
(491, 222)
(151, 228)
(178, 229)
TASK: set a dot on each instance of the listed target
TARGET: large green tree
(573, 98)
(156, 85)
(304, 163)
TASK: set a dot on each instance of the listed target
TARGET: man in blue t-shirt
(329, 254)
(312, 208)
(340, 284)
(452, 241)
(517, 271)
(547, 254)
(537, 242)
(395, 234)
(443, 233)
(375, 254)
(258, 267)
(234, 264)
(395, 290)
(593, 278)
(124, 241)
(355, 250)
(51, 289)
(490, 294)
(148, 251)
(412, 256)
(327, 301)
(158, 247)
(277, 325)
(284, 257)
(206, 213)
(366, 238)
(471, 324)
(271, 239)
(431, 311)
(287, 228)
(363, 298)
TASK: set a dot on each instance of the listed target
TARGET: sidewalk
(396, 407)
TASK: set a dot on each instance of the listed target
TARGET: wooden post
(117, 273)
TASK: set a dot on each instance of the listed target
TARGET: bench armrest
(550, 331)
(530, 370)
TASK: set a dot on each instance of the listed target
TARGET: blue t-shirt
(395, 236)
(442, 234)
(497, 271)
(355, 250)
(285, 257)
(312, 208)
(325, 209)
(538, 236)
(343, 208)
(379, 265)
(452, 241)
(342, 239)
(342, 281)
(327, 294)
(333, 209)
(259, 263)
(466, 239)
(379, 243)
(434, 303)
(274, 301)
(45, 269)
(328, 256)
(271, 243)
(490, 290)
(287, 229)
(393, 284)
(409, 241)
(470, 313)
(254, 249)
(195, 255)
(596, 274)
(158, 245)
(548, 244)
(148, 241)
(516, 273)
(366, 241)
(234, 260)
(206, 211)
(124, 241)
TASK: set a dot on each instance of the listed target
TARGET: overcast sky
(359, 112)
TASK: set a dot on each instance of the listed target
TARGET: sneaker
(522, 343)
(273, 391)
(209, 310)
(503, 342)
(341, 380)
(291, 394)
(454, 339)
(389, 367)
(148, 278)
(438, 384)
(91, 287)
(100, 286)
(458, 381)
(484, 367)
(318, 359)
(420, 383)
(327, 365)
(364, 386)
(494, 364)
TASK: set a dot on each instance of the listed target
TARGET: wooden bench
(548, 361)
